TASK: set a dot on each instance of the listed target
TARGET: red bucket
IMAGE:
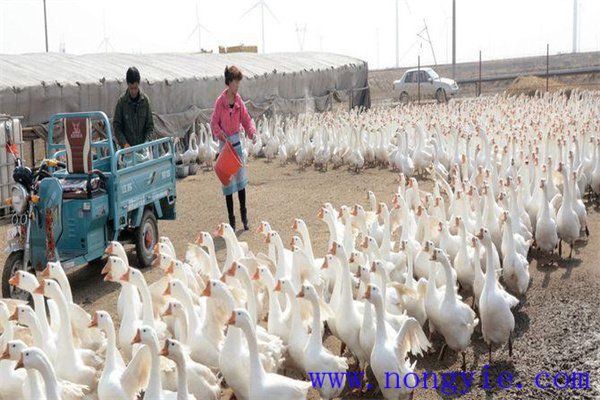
(228, 164)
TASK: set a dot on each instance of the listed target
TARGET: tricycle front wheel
(146, 236)
(14, 263)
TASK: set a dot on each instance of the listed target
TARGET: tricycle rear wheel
(14, 263)
(146, 236)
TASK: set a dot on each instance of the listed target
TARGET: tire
(403, 98)
(440, 96)
(145, 237)
(13, 263)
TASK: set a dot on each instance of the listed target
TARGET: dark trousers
(242, 199)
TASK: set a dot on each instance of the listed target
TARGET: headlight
(19, 198)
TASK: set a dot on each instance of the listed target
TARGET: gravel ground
(557, 322)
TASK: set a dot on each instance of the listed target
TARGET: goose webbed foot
(342, 348)
(571, 252)
(560, 248)
(442, 352)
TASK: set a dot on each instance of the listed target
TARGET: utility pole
(45, 26)
(574, 26)
(453, 39)
(397, 38)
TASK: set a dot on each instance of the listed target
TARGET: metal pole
(453, 39)
(45, 26)
(574, 26)
(547, 63)
(351, 99)
(479, 94)
(397, 38)
(419, 79)
(262, 21)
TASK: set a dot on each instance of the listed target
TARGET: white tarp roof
(39, 85)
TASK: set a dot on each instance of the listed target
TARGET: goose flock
(445, 259)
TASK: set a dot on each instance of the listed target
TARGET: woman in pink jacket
(228, 117)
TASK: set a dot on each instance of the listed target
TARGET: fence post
(547, 63)
(419, 79)
(479, 85)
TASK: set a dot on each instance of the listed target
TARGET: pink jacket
(227, 121)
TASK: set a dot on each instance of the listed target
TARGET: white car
(432, 86)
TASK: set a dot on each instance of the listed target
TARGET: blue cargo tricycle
(87, 194)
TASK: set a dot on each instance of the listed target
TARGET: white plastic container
(10, 129)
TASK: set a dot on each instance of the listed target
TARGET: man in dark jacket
(132, 120)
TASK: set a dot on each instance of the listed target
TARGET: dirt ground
(557, 322)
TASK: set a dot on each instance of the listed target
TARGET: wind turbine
(263, 5)
(106, 41)
(198, 28)
(397, 32)
(301, 31)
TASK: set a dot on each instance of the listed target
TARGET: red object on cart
(228, 164)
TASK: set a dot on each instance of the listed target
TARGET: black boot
(243, 211)
(229, 201)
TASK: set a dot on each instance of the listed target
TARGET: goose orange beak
(325, 264)
(170, 268)
(480, 234)
(379, 208)
(268, 239)
(199, 240)
(46, 272)
(231, 270)
(109, 249)
(137, 338)
(321, 213)
(301, 293)
(19, 363)
(373, 266)
(256, 276)
(108, 277)
(39, 290)
(358, 273)
(155, 250)
(14, 316)
(168, 311)
(94, 321)
(5, 354)
(107, 266)
(354, 211)
(367, 294)
(15, 280)
(434, 256)
(277, 286)
(333, 250)
(206, 291)
(231, 320)
(295, 226)
(126, 277)
(156, 261)
(365, 243)
(167, 291)
(165, 350)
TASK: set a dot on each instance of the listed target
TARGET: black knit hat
(133, 75)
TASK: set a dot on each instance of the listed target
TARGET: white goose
(34, 358)
(33, 387)
(117, 381)
(265, 385)
(316, 357)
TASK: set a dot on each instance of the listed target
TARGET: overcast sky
(364, 29)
